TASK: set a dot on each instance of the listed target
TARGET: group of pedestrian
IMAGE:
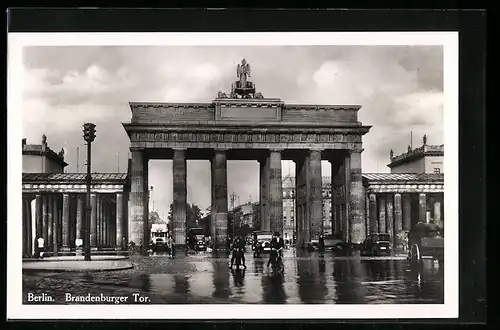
(277, 245)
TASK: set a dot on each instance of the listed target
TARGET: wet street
(201, 278)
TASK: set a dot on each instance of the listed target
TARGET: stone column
(275, 192)
(398, 213)
(303, 193)
(137, 190)
(65, 224)
(99, 220)
(381, 213)
(422, 207)
(219, 177)
(334, 168)
(367, 215)
(105, 222)
(346, 227)
(406, 212)
(373, 213)
(93, 221)
(265, 224)
(315, 194)
(45, 219)
(357, 199)
(50, 223)
(390, 216)
(79, 216)
(56, 224)
(119, 221)
(179, 167)
(299, 202)
(437, 213)
(38, 215)
(27, 230)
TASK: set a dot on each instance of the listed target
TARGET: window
(437, 170)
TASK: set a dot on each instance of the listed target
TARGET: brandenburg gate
(244, 125)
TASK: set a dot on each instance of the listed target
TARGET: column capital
(352, 151)
(220, 149)
(276, 149)
(397, 194)
(179, 149)
(136, 149)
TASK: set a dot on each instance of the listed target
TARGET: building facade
(413, 192)
(39, 158)
(53, 204)
(289, 230)
(244, 125)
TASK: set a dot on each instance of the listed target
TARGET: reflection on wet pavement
(201, 278)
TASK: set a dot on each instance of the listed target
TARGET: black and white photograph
(194, 173)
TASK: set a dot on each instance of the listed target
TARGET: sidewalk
(77, 264)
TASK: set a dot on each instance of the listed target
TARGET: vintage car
(426, 241)
(377, 244)
(263, 238)
(200, 245)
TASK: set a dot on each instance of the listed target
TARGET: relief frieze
(256, 137)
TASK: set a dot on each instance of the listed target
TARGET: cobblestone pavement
(202, 278)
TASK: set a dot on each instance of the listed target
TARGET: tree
(205, 223)
(256, 215)
(193, 215)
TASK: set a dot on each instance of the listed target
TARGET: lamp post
(88, 136)
(151, 190)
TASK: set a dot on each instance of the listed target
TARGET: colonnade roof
(112, 178)
(403, 177)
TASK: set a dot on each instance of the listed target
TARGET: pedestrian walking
(171, 243)
(39, 247)
(321, 245)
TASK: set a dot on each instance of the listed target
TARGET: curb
(68, 270)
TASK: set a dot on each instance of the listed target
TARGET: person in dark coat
(321, 244)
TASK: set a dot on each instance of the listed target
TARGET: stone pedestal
(219, 199)
(179, 168)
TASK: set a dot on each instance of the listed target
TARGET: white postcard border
(15, 307)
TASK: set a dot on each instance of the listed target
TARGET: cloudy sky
(399, 87)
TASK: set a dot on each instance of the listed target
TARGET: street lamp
(151, 196)
(88, 136)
